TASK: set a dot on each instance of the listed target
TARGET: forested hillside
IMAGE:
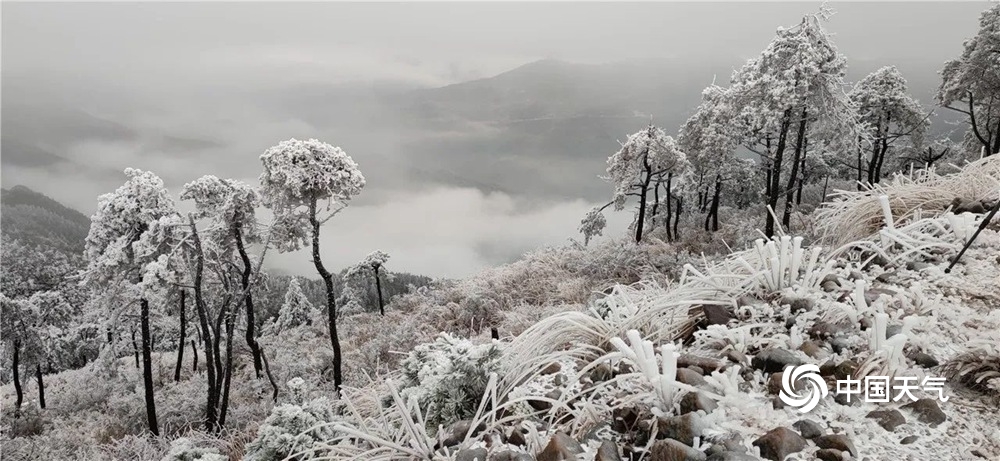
(799, 235)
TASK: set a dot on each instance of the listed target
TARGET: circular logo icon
(812, 387)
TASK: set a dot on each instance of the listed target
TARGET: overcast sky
(186, 89)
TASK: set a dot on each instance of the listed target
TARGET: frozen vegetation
(794, 220)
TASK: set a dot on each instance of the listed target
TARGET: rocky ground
(726, 405)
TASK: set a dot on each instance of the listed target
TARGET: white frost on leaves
(300, 174)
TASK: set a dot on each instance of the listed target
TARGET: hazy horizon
(461, 175)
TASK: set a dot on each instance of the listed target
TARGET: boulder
(780, 442)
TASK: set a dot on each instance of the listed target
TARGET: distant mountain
(36, 219)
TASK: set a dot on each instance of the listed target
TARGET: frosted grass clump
(660, 371)
(783, 263)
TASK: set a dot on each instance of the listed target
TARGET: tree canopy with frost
(299, 178)
(119, 248)
(889, 113)
(295, 311)
(646, 159)
(793, 95)
(971, 84)
(230, 206)
(357, 276)
(707, 139)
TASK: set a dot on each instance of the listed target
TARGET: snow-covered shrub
(448, 377)
(292, 429)
(294, 312)
(184, 449)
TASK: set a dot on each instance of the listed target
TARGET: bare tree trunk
(642, 200)
(194, 360)
(378, 288)
(41, 386)
(677, 217)
(270, 377)
(147, 365)
(715, 203)
(670, 180)
(775, 176)
(135, 349)
(216, 349)
(180, 344)
(786, 216)
(826, 182)
(199, 301)
(251, 335)
(17, 378)
(331, 300)
(230, 327)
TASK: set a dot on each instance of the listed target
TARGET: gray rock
(561, 447)
(772, 360)
(601, 373)
(927, 411)
(717, 315)
(731, 456)
(841, 370)
(808, 429)
(471, 454)
(456, 432)
(829, 454)
(516, 438)
(838, 442)
(848, 400)
(690, 377)
(888, 419)
(695, 401)
(840, 344)
(922, 359)
(799, 304)
(552, 368)
(886, 277)
(893, 330)
(826, 330)
(672, 450)
(737, 357)
(813, 349)
(917, 265)
(511, 455)
(608, 451)
(780, 442)
(707, 364)
(683, 428)
(829, 286)
(908, 440)
(747, 300)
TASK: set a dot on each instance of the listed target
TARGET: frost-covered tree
(710, 144)
(295, 311)
(305, 183)
(792, 92)
(593, 224)
(889, 114)
(357, 277)
(17, 318)
(117, 254)
(647, 160)
(971, 84)
(227, 207)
